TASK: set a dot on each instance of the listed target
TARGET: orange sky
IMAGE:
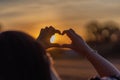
(32, 15)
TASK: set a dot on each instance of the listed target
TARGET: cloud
(68, 11)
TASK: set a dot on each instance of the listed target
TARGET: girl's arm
(102, 66)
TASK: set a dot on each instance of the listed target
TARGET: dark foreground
(78, 69)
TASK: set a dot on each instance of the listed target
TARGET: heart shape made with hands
(60, 39)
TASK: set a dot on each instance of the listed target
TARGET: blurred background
(97, 21)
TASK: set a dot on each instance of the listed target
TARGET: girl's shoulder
(106, 78)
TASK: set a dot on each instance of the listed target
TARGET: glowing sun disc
(52, 39)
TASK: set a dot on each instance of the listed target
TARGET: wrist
(90, 53)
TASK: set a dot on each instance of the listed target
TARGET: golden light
(60, 39)
(52, 39)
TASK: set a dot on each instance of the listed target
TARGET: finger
(41, 30)
(64, 32)
(66, 46)
(53, 30)
(55, 45)
(46, 29)
(69, 34)
(57, 31)
(74, 33)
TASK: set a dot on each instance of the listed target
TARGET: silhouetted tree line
(105, 32)
(104, 37)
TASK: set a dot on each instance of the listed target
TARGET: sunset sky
(31, 15)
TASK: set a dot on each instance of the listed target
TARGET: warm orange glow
(61, 39)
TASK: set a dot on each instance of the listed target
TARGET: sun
(60, 39)
(52, 39)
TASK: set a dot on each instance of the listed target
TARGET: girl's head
(22, 58)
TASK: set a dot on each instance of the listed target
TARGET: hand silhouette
(45, 35)
(78, 44)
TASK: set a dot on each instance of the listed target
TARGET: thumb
(66, 46)
(54, 45)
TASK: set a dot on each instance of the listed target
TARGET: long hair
(22, 58)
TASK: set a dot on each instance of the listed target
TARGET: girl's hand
(78, 44)
(45, 35)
